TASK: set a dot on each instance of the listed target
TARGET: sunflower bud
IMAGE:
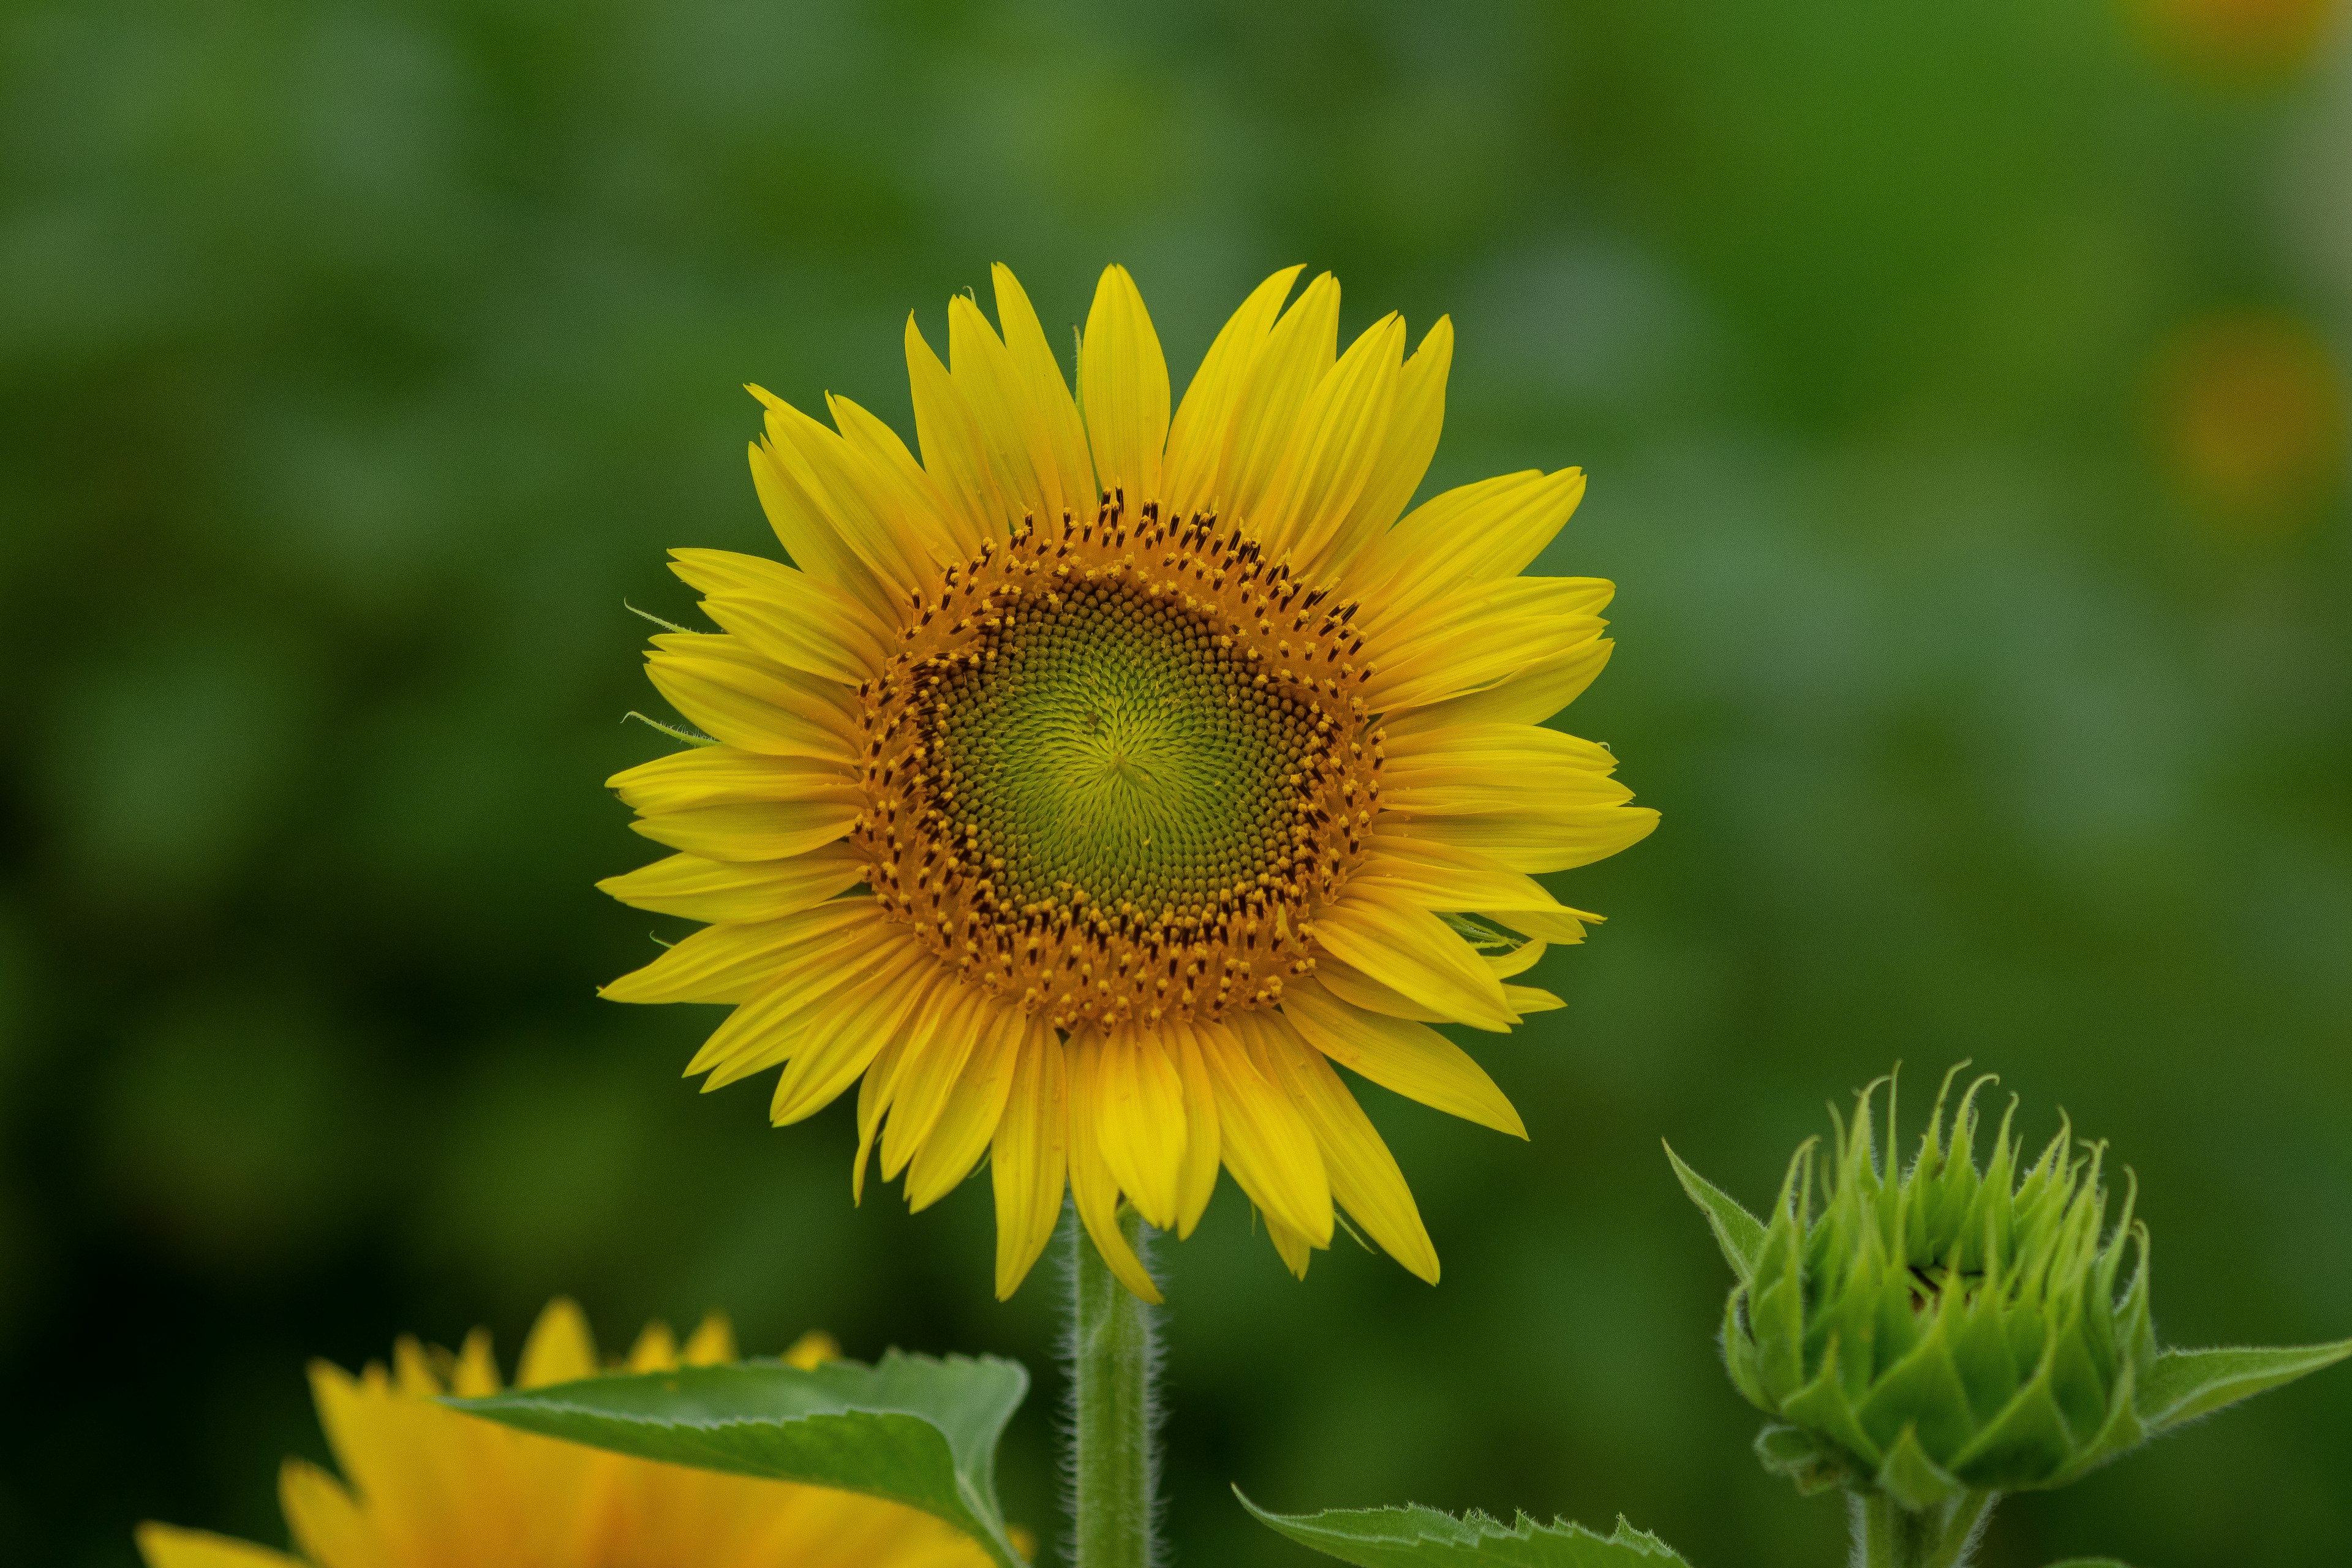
(1943, 1329)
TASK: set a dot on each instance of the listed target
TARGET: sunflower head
(1085, 788)
(1945, 1328)
(426, 1485)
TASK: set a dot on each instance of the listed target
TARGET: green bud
(1930, 1332)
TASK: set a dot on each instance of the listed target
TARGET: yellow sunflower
(1169, 767)
(428, 1487)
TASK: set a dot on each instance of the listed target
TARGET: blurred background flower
(358, 359)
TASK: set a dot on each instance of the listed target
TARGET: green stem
(1114, 1350)
(1887, 1535)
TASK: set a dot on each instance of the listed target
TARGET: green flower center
(1104, 743)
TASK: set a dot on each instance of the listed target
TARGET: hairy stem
(1887, 1535)
(1114, 1348)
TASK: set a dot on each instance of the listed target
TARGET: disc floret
(1115, 767)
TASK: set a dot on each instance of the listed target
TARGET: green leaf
(1737, 1232)
(2186, 1384)
(1418, 1537)
(912, 1429)
(2092, 1562)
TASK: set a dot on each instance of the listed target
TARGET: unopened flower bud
(1940, 1330)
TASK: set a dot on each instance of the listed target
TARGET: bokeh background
(1962, 390)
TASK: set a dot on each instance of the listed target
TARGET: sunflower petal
(1268, 1146)
(1343, 433)
(1142, 1130)
(696, 889)
(1030, 1158)
(722, 963)
(1536, 840)
(785, 613)
(1405, 453)
(1413, 952)
(1410, 1058)
(1283, 376)
(955, 452)
(809, 537)
(1481, 533)
(1123, 380)
(755, 709)
(1365, 1179)
(1094, 1191)
(842, 1038)
(1040, 376)
(964, 1128)
(1198, 436)
(1203, 1147)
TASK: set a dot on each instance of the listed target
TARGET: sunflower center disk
(1109, 748)
(1114, 772)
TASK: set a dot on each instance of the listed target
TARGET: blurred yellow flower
(2234, 42)
(1176, 767)
(2249, 419)
(428, 1487)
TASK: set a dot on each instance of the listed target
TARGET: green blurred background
(1960, 390)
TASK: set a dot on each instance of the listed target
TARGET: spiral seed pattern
(1114, 770)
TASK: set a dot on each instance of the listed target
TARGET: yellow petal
(1337, 448)
(1405, 452)
(955, 453)
(1297, 355)
(852, 498)
(712, 1344)
(697, 889)
(1365, 1179)
(1093, 1192)
(656, 1350)
(1197, 437)
(323, 1519)
(841, 1039)
(783, 1020)
(1124, 380)
(1203, 1145)
(896, 486)
(1470, 768)
(1268, 1146)
(939, 1045)
(1039, 374)
(559, 1348)
(1488, 531)
(1411, 1059)
(972, 1112)
(1020, 447)
(718, 775)
(1537, 840)
(1359, 989)
(1294, 1250)
(1478, 637)
(753, 709)
(1525, 999)
(722, 963)
(875, 1092)
(1412, 951)
(1529, 696)
(1444, 877)
(1029, 1161)
(812, 1350)
(810, 539)
(786, 614)
(1142, 1130)
(168, 1546)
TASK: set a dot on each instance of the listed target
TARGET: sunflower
(428, 1487)
(1092, 785)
